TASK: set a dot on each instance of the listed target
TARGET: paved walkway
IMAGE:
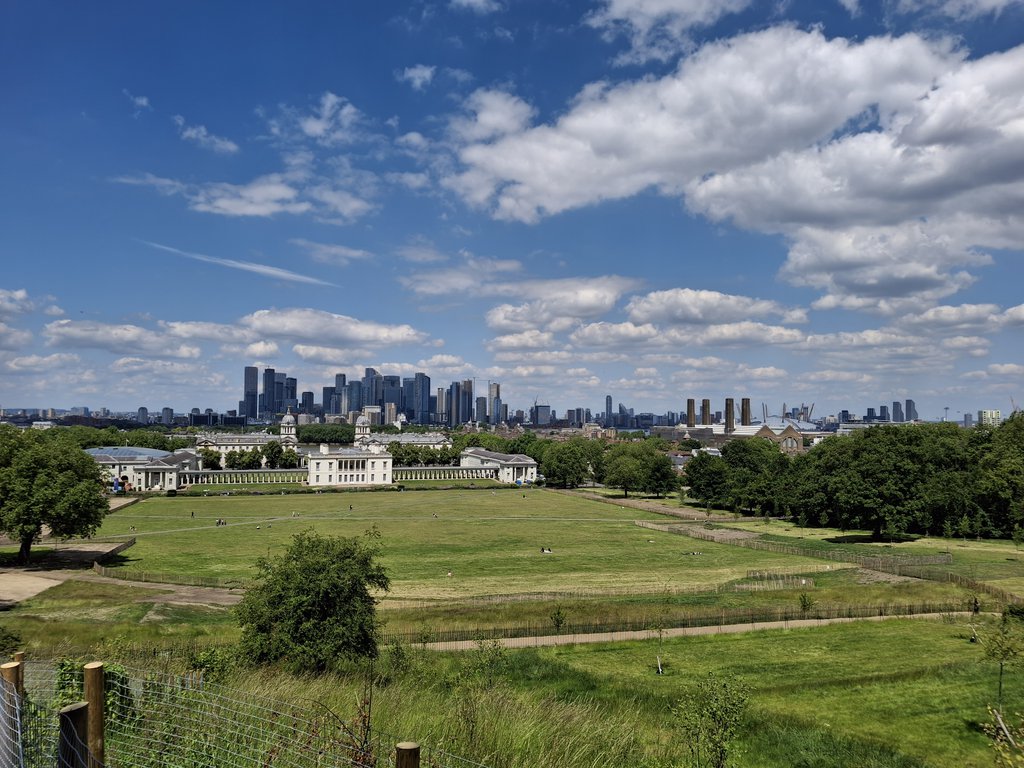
(652, 634)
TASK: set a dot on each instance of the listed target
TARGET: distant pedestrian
(449, 574)
(193, 513)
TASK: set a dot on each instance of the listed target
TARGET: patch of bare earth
(867, 576)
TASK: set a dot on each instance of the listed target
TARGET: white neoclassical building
(145, 469)
(224, 442)
(348, 467)
(508, 468)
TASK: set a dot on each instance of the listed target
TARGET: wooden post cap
(94, 665)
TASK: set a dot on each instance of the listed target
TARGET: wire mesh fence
(156, 719)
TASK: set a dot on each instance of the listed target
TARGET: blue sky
(654, 199)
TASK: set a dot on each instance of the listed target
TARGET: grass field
(899, 694)
(489, 540)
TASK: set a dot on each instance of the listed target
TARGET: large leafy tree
(47, 480)
(566, 465)
(314, 605)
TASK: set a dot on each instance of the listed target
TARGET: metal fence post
(71, 752)
(407, 755)
(94, 695)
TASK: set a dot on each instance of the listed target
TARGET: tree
(1005, 647)
(272, 453)
(211, 458)
(47, 480)
(313, 605)
(623, 471)
(289, 459)
(710, 717)
(565, 464)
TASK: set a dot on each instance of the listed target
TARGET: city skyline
(799, 202)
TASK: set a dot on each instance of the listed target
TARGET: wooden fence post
(10, 706)
(13, 672)
(19, 656)
(407, 755)
(94, 695)
(71, 746)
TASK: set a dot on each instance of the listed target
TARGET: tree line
(935, 479)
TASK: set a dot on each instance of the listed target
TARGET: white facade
(145, 469)
(510, 468)
(348, 467)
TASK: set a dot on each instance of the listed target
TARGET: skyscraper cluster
(384, 397)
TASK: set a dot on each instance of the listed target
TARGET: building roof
(504, 458)
(115, 453)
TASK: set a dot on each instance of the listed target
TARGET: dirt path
(660, 506)
(652, 634)
(18, 584)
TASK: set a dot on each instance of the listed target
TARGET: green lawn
(489, 540)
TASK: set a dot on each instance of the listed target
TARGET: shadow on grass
(867, 538)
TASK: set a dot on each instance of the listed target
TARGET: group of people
(221, 521)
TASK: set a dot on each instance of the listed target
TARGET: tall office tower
(355, 397)
(391, 392)
(466, 400)
(441, 406)
(968, 420)
(730, 415)
(306, 404)
(373, 387)
(408, 394)
(497, 410)
(329, 404)
(167, 416)
(911, 411)
(844, 416)
(897, 411)
(142, 416)
(269, 399)
(481, 410)
(990, 418)
(745, 411)
(454, 404)
(250, 391)
(340, 382)
(705, 412)
(493, 391)
(608, 410)
(691, 412)
(421, 399)
(291, 392)
(883, 413)
(541, 415)
(870, 415)
(279, 378)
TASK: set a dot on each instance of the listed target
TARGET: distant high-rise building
(421, 399)
(870, 416)
(968, 420)
(608, 410)
(340, 382)
(541, 415)
(844, 416)
(897, 411)
(493, 393)
(142, 416)
(269, 399)
(354, 389)
(910, 412)
(498, 411)
(373, 387)
(990, 418)
(327, 398)
(481, 410)
(306, 405)
(250, 392)
(291, 393)
(167, 416)
(883, 413)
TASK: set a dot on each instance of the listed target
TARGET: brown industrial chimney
(745, 411)
(705, 412)
(691, 412)
(730, 414)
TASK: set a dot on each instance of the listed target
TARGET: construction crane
(1014, 404)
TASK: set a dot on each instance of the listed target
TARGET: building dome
(362, 421)
(288, 419)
